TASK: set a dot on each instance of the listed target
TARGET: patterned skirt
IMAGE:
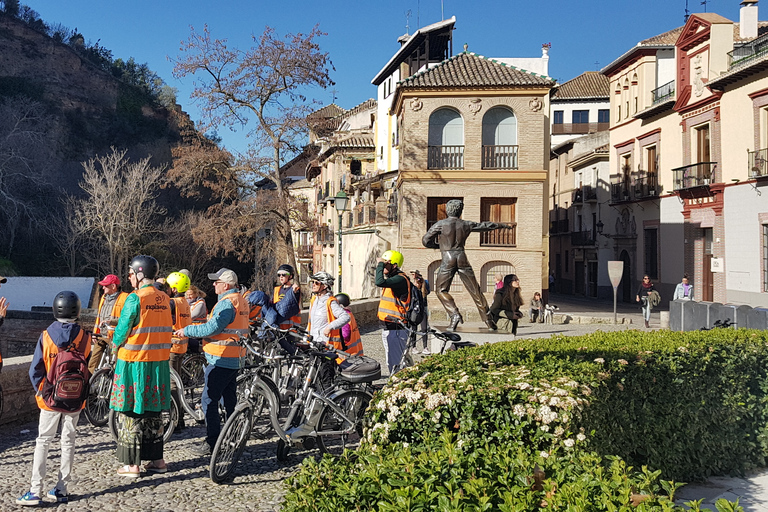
(139, 437)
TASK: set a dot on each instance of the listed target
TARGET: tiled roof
(668, 38)
(588, 85)
(471, 70)
(327, 112)
(355, 140)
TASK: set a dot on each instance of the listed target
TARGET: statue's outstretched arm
(488, 226)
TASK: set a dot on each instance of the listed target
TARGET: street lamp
(340, 202)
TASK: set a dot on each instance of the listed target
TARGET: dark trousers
(456, 262)
(220, 383)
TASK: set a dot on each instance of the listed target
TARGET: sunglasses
(317, 283)
(283, 274)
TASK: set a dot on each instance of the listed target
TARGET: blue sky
(585, 34)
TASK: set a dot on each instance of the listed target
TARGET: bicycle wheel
(336, 432)
(193, 377)
(231, 443)
(97, 403)
(254, 389)
(169, 421)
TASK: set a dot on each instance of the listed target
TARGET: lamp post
(340, 202)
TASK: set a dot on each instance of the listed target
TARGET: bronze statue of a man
(449, 236)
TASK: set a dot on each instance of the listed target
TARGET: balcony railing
(577, 128)
(694, 175)
(621, 191)
(749, 52)
(505, 237)
(445, 157)
(663, 93)
(580, 238)
(500, 157)
(647, 186)
(304, 251)
(758, 163)
(586, 193)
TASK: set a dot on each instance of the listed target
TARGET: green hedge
(685, 404)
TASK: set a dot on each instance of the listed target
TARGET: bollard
(664, 319)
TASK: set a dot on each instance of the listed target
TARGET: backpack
(416, 308)
(66, 384)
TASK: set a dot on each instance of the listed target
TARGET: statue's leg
(443, 280)
(467, 276)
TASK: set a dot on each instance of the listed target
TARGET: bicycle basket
(360, 369)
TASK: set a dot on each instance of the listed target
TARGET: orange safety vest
(150, 339)
(119, 302)
(183, 319)
(255, 313)
(82, 343)
(225, 344)
(355, 344)
(294, 321)
(198, 319)
(390, 308)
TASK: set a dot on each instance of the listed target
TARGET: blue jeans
(219, 383)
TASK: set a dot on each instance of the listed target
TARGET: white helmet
(323, 277)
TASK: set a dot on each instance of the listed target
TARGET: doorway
(625, 286)
(708, 282)
(592, 279)
(578, 269)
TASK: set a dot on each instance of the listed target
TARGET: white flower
(554, 401)
(623, 361)
(600, 360)
(405, 445)
(544, 455)
(581, 437)
(544, 428)
(460, 443)
(523, 386)
(518, 410)
(559, 431)
(569, 443)
(417, 416)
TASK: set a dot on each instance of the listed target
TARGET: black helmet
(286, 268)
(66, 306)
(343, 299)
(145, 267)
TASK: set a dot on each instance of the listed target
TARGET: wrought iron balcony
(304, 251)
(500, 157)
(694, 175)
(621, 192)
(578, 128)
(582, 238)
(749, 52)
(505, 237)
(663, 93)
(647, 186)
(445, 157)
(585, 194)
(758, 163)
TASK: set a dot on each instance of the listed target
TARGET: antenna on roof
(704, 3)
(418, 14)
(597, 66)
(687, 12)
(442, 10)
(333, 95)
(408, 21)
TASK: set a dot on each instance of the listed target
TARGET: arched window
(446, 140)
(491, 269)
(456, 285)
(499, 139)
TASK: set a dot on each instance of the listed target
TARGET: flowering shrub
(686, 405)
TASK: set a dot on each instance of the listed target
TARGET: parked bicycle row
(155, 356)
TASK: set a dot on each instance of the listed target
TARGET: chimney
(748, 19)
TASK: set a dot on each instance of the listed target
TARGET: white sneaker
(425, 352)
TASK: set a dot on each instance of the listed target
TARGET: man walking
(228, 320)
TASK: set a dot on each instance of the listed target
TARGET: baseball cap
(110, 279)
(415, 272)
(225, 276)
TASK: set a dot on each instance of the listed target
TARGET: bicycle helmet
(286, 268)
(178, 282)
(66, 306)
(323, 277)
(343, 299)
(393, 257)
(145, 267)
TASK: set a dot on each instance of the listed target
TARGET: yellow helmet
(393, 257)
(178, 281)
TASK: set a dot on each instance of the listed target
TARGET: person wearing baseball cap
(228, 321)
(110, 306)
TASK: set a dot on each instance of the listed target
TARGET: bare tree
(177, 248)
(262, 89)
(119, 210)
(27, 152)
(70, 236)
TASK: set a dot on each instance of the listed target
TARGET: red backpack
(66, 384)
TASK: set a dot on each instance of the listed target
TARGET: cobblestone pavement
(258, 482)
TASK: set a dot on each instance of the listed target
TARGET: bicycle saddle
(360, 369)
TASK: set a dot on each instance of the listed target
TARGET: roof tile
(471, 70)
(588, 85)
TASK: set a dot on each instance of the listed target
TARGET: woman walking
(505, 310)
(643, 296)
